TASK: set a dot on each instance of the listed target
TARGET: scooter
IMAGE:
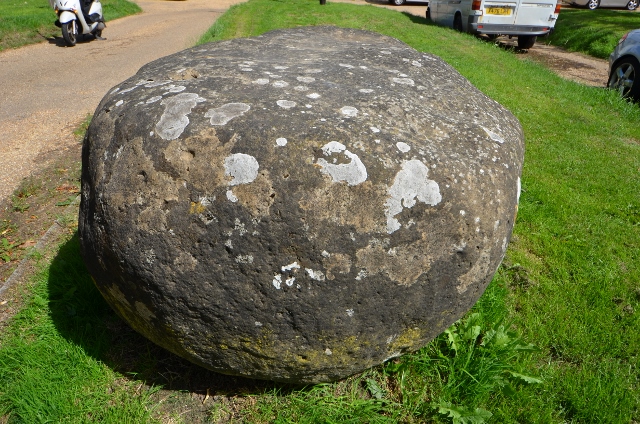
(75, 22)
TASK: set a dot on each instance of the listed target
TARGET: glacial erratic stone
(297, 206)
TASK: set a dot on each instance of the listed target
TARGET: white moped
(74, 22)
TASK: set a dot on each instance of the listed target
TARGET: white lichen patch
(403, 81)
(225, 113)
(154, 99)
(365, 90)
(242, 167)
(286, 104)
(175, 89)
(374, 129)
(350, 312)
(261, 81)
(290, 267)
(281, 141)
(306, 80)
(231, 197)
(280, 84)
(313, 96)
(409, 185)
(174, 118)
(346, 65)
(416, 64)
(353, 173)
(119, 102)
(349, 111)
(301, 88)
(315, 275)
(155, 83)
(277, 281)
(403, 147)
(494, 136)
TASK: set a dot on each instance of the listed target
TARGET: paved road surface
(46, 90)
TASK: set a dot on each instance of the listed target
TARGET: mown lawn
(592, 32)
(553, 340)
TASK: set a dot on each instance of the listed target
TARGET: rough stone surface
(297, 206)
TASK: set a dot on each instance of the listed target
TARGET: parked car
(594, 4)
(401, 2)
(624, 66)
(526, 19)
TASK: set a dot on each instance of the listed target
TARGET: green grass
(49, 371)
(31, 21)
(570, 283)
(595, 33)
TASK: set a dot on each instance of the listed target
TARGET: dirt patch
(573, 66)
(40, 199)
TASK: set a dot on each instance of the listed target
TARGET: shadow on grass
(82, 316)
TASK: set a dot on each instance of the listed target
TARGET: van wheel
(457, 23)
(526, 41)
(397, 2)
(593, 4)
(632, 5)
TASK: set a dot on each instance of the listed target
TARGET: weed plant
(569, 284)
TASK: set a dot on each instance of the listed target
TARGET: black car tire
(625, 78)
(632, 5)
(593, 4)
(457, 23)
(526, 41)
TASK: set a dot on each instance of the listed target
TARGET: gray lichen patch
(411, 184)
(225, 113)
(242, 168)
(174, 119)
(353, 173)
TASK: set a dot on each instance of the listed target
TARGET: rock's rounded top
(253, 204)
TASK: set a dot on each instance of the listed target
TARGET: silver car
(594, 4)
(624, 66)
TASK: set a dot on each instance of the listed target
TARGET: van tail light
(476, 4)
(557, 8)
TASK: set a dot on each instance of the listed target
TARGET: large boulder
(297, 206)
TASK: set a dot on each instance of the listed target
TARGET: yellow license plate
(498, 11)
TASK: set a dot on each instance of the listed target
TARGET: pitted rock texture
(297, 206)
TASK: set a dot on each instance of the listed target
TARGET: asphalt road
(47, 89)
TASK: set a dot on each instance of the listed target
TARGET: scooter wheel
(70, 33)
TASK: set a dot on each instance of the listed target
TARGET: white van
(525, 19)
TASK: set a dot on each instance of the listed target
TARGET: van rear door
(538, 13)
(497, 12)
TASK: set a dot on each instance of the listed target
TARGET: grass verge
(570, 283)
(594, 33)
(25, 22)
